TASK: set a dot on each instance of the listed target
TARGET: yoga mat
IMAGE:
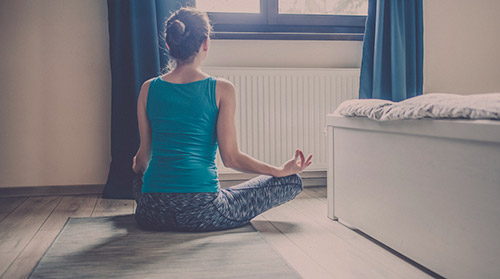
(114, 247)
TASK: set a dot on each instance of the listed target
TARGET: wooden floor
(314, 245)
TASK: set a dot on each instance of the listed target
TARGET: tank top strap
(151, 91)
(212, 81)
(155, 82)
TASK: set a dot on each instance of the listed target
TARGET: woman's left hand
(295, 165)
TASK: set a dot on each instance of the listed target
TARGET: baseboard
(310, 179)
(59, 190)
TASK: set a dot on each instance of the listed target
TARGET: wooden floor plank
(70, 206)
(302, 263)
(303, 195)
(317, 192)
(21, 225)
(108, 207)
(17, 229)
(22, 266)
(7, 205)
(328, 250)
(317, 212)
(6, 259)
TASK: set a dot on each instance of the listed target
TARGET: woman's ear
(206, 44)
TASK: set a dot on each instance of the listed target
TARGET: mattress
(478, 130)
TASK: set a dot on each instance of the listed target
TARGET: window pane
(324, 7)
(229, 6)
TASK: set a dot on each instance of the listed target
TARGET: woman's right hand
(137, 167)
(295, 165)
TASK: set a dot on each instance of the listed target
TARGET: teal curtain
(137, 54)
(392, 64)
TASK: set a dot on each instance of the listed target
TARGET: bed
(427, 188)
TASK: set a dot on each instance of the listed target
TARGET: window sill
(287, 36)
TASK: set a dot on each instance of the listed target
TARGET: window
(323, 7)
(287, 19)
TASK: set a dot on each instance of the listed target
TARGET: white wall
(294, 54)
(54, 92)
(461, 46)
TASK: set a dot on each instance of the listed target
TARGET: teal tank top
(183, 121)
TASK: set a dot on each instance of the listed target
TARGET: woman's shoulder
(224, 85)
(148, 82)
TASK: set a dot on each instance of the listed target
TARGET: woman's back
(182, 121)
(184, 140)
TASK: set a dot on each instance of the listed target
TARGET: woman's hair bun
(178, 31)
(179, 27)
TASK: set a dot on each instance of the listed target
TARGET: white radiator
(281, 109)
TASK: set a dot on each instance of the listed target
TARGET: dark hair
(185, 31)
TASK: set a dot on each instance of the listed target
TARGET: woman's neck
(187, 69)
(186, 73)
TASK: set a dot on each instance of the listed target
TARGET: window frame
(270, 25)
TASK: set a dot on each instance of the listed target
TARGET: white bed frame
(429, 189)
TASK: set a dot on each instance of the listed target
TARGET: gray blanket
(434, 105)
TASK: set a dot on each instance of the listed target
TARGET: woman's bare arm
(231, 156)
(143, 156)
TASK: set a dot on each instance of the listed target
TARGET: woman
(183, 116)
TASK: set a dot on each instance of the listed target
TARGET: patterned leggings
(229, 208)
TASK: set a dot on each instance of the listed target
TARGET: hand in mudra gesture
(295, 165)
